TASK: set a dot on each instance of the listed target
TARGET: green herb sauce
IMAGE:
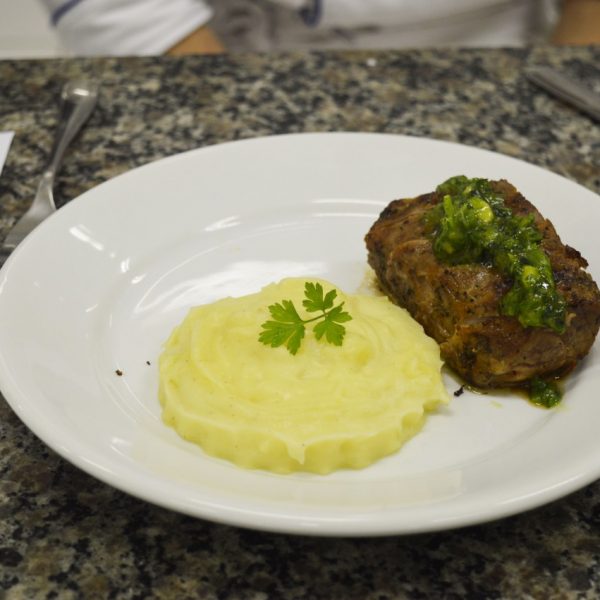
(544, 393)
(473, 225)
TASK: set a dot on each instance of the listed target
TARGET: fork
(79, 99)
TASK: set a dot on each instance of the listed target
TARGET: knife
(567, 89)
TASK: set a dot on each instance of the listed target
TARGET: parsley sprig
(288, 327)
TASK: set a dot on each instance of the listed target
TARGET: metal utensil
(566, 89)
(79, 99)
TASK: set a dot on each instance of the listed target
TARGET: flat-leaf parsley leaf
(288, 327)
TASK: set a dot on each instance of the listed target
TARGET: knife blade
(566, 89)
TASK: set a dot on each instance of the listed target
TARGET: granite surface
(65, 535)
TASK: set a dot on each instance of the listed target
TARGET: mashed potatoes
(326, 408)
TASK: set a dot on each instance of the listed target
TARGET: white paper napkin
(5, 140)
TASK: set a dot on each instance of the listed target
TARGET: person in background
(151, 27)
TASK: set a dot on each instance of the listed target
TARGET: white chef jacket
(148, 27)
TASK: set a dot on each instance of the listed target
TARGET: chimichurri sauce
(472, 224)
(544, 393)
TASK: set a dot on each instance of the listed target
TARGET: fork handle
(79, 104)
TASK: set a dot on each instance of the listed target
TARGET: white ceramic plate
(99, 286)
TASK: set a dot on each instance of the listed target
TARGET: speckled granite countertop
(65, 535)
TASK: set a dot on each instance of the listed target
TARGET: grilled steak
(459, 305)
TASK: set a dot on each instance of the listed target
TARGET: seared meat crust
(459, 306)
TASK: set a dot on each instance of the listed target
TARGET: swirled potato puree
(327, 407)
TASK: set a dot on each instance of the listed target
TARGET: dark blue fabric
(62, 10)
(311, 15)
